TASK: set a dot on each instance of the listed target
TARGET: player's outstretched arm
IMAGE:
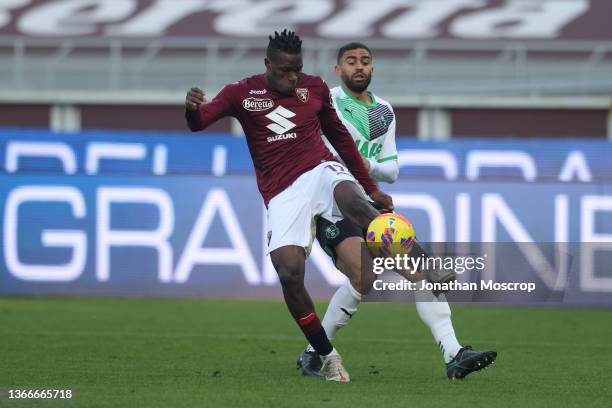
(200, 114)
(342, 141)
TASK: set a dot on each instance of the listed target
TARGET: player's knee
(291, 281)
(291, 277)
(352, 270)
(355, 264)
(289, 264)
(361, 280)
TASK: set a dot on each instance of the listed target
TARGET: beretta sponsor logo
(257, 104)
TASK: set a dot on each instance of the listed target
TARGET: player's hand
(383, 202)
(366, 163)
(195, 98)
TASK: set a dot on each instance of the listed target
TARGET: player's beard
(355, 86)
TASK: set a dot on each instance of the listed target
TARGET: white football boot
(332, 368)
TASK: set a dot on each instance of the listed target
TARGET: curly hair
(287, 41)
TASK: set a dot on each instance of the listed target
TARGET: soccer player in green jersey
(371, 122)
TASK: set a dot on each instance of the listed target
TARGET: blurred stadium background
(504, 111)
(452, 68)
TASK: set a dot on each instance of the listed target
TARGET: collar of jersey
(347, 93)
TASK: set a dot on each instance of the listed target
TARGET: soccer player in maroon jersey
(282, 113)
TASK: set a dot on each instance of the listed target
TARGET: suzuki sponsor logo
(258, 91)
(280, 116)
(257, 104)
(286, 136)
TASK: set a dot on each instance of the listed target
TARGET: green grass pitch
(118, 352)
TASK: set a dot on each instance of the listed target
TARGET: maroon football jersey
(283, 132)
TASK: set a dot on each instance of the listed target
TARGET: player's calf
(289, 262)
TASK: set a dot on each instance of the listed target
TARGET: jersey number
(337, 168)
(281, 123)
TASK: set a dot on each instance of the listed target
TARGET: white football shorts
(292, 213)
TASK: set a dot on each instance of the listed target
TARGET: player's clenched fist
(195, 98)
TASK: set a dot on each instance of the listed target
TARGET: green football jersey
(372, 126)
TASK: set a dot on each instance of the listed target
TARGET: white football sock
(436, 314)
(342, 306)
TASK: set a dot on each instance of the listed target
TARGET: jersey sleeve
(389, 149)
(219, 107)
(385, 171)
(342, 141)
(384, 167)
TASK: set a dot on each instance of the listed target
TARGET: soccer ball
(390, 234)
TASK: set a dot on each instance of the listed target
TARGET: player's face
(355, 69)
(283, 71)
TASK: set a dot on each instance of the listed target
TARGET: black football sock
(315, 333)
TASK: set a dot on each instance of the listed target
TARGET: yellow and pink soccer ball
(390, 234)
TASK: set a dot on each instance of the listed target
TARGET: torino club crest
(302, 94)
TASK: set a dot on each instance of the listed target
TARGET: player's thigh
(329, 234)
(290, 221)
(343, 242)
(351, 199)
(327, 176)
